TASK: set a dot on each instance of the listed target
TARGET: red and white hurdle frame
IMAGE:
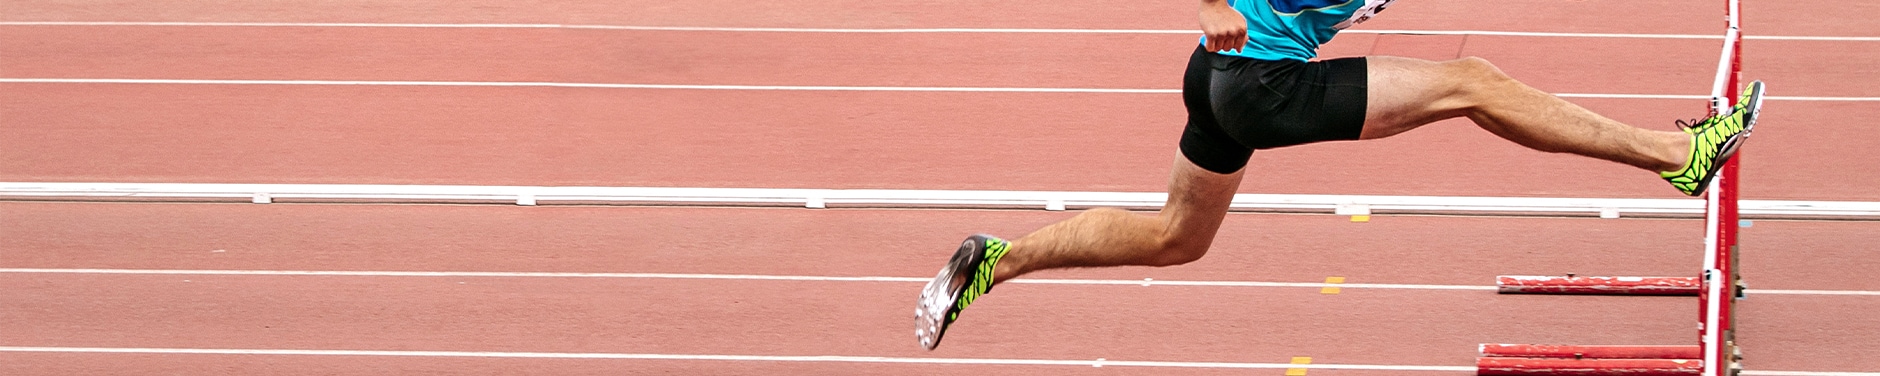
(1716, 289)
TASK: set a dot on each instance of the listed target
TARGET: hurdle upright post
(1721, 281)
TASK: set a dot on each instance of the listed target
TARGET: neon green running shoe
(966, 277)
(1714, 140)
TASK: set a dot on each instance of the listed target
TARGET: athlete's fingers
(1225, 28)
(1227, 40)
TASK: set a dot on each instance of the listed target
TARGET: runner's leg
(1407, 93)
(1180, 233)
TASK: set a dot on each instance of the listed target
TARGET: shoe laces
(1691, 126)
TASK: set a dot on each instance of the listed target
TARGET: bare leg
(1180, 233)
(1408, 93)
(1403, 94)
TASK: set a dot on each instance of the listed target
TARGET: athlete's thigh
(1197, 201)
(1404, 93)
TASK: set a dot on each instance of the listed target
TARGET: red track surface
(695, 138)
(863, 318)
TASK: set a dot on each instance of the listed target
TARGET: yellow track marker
(1360, 218)
(1331, 290)
(1298, 371)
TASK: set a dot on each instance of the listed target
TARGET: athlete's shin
(1096, 238)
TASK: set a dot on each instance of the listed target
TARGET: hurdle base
(1587, 367)
(1577, 285)
(1591, 352)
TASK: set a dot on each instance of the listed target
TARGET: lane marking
(906, 198)
(583, 85)
(718, 357)
(765, 277)
(788, 358)
(1333, 289)
(1301, 360)
(777, 87)
(914, 30)
(588, 85)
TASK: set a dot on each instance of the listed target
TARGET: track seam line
(952, 30)
(766, 277)
(721, 357)
(903, 198)
(959, 89)
(796, 358)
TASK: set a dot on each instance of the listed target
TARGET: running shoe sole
(939, 297)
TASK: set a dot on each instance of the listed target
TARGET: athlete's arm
(1225, 27)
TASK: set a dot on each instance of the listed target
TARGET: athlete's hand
(1225, 27)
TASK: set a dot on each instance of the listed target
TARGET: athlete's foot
(1714, 140)
(967, 276)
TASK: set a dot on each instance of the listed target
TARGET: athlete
(1251, 84)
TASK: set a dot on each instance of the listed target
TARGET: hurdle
(1717, 287)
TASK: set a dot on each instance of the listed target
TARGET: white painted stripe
(366, 273)
(901, 198)
(764, 277)
(955, 30)
(1812, 292)
(1615, 35)
(933, 30)
(585, 85)
(958, 89)
(1631, 96)
(719, 357)
(291, 24)
(1834, 99)
(752, 277)
(789, 358)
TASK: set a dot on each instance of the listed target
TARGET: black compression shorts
(1237, 105)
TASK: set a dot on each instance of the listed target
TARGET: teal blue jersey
(1294, 29)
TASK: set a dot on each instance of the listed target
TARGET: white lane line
(762, 277)
(955, 30)
(957, 89)
(804, 358)
(366, 273)
(719, 357)
(583, 85)
(1814, 292)
(902, 198)
(1641, 96)
(292, 24)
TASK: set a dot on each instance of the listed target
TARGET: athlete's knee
(1478, 81)
(1476, 68)
(1177, 253)
(1176, 249)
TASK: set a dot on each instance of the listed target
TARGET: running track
(79, 274)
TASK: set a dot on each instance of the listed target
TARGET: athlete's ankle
(1676, 154)
(1011, 265)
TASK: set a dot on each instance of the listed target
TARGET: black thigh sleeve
(1203, 142)
(1237, 105)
